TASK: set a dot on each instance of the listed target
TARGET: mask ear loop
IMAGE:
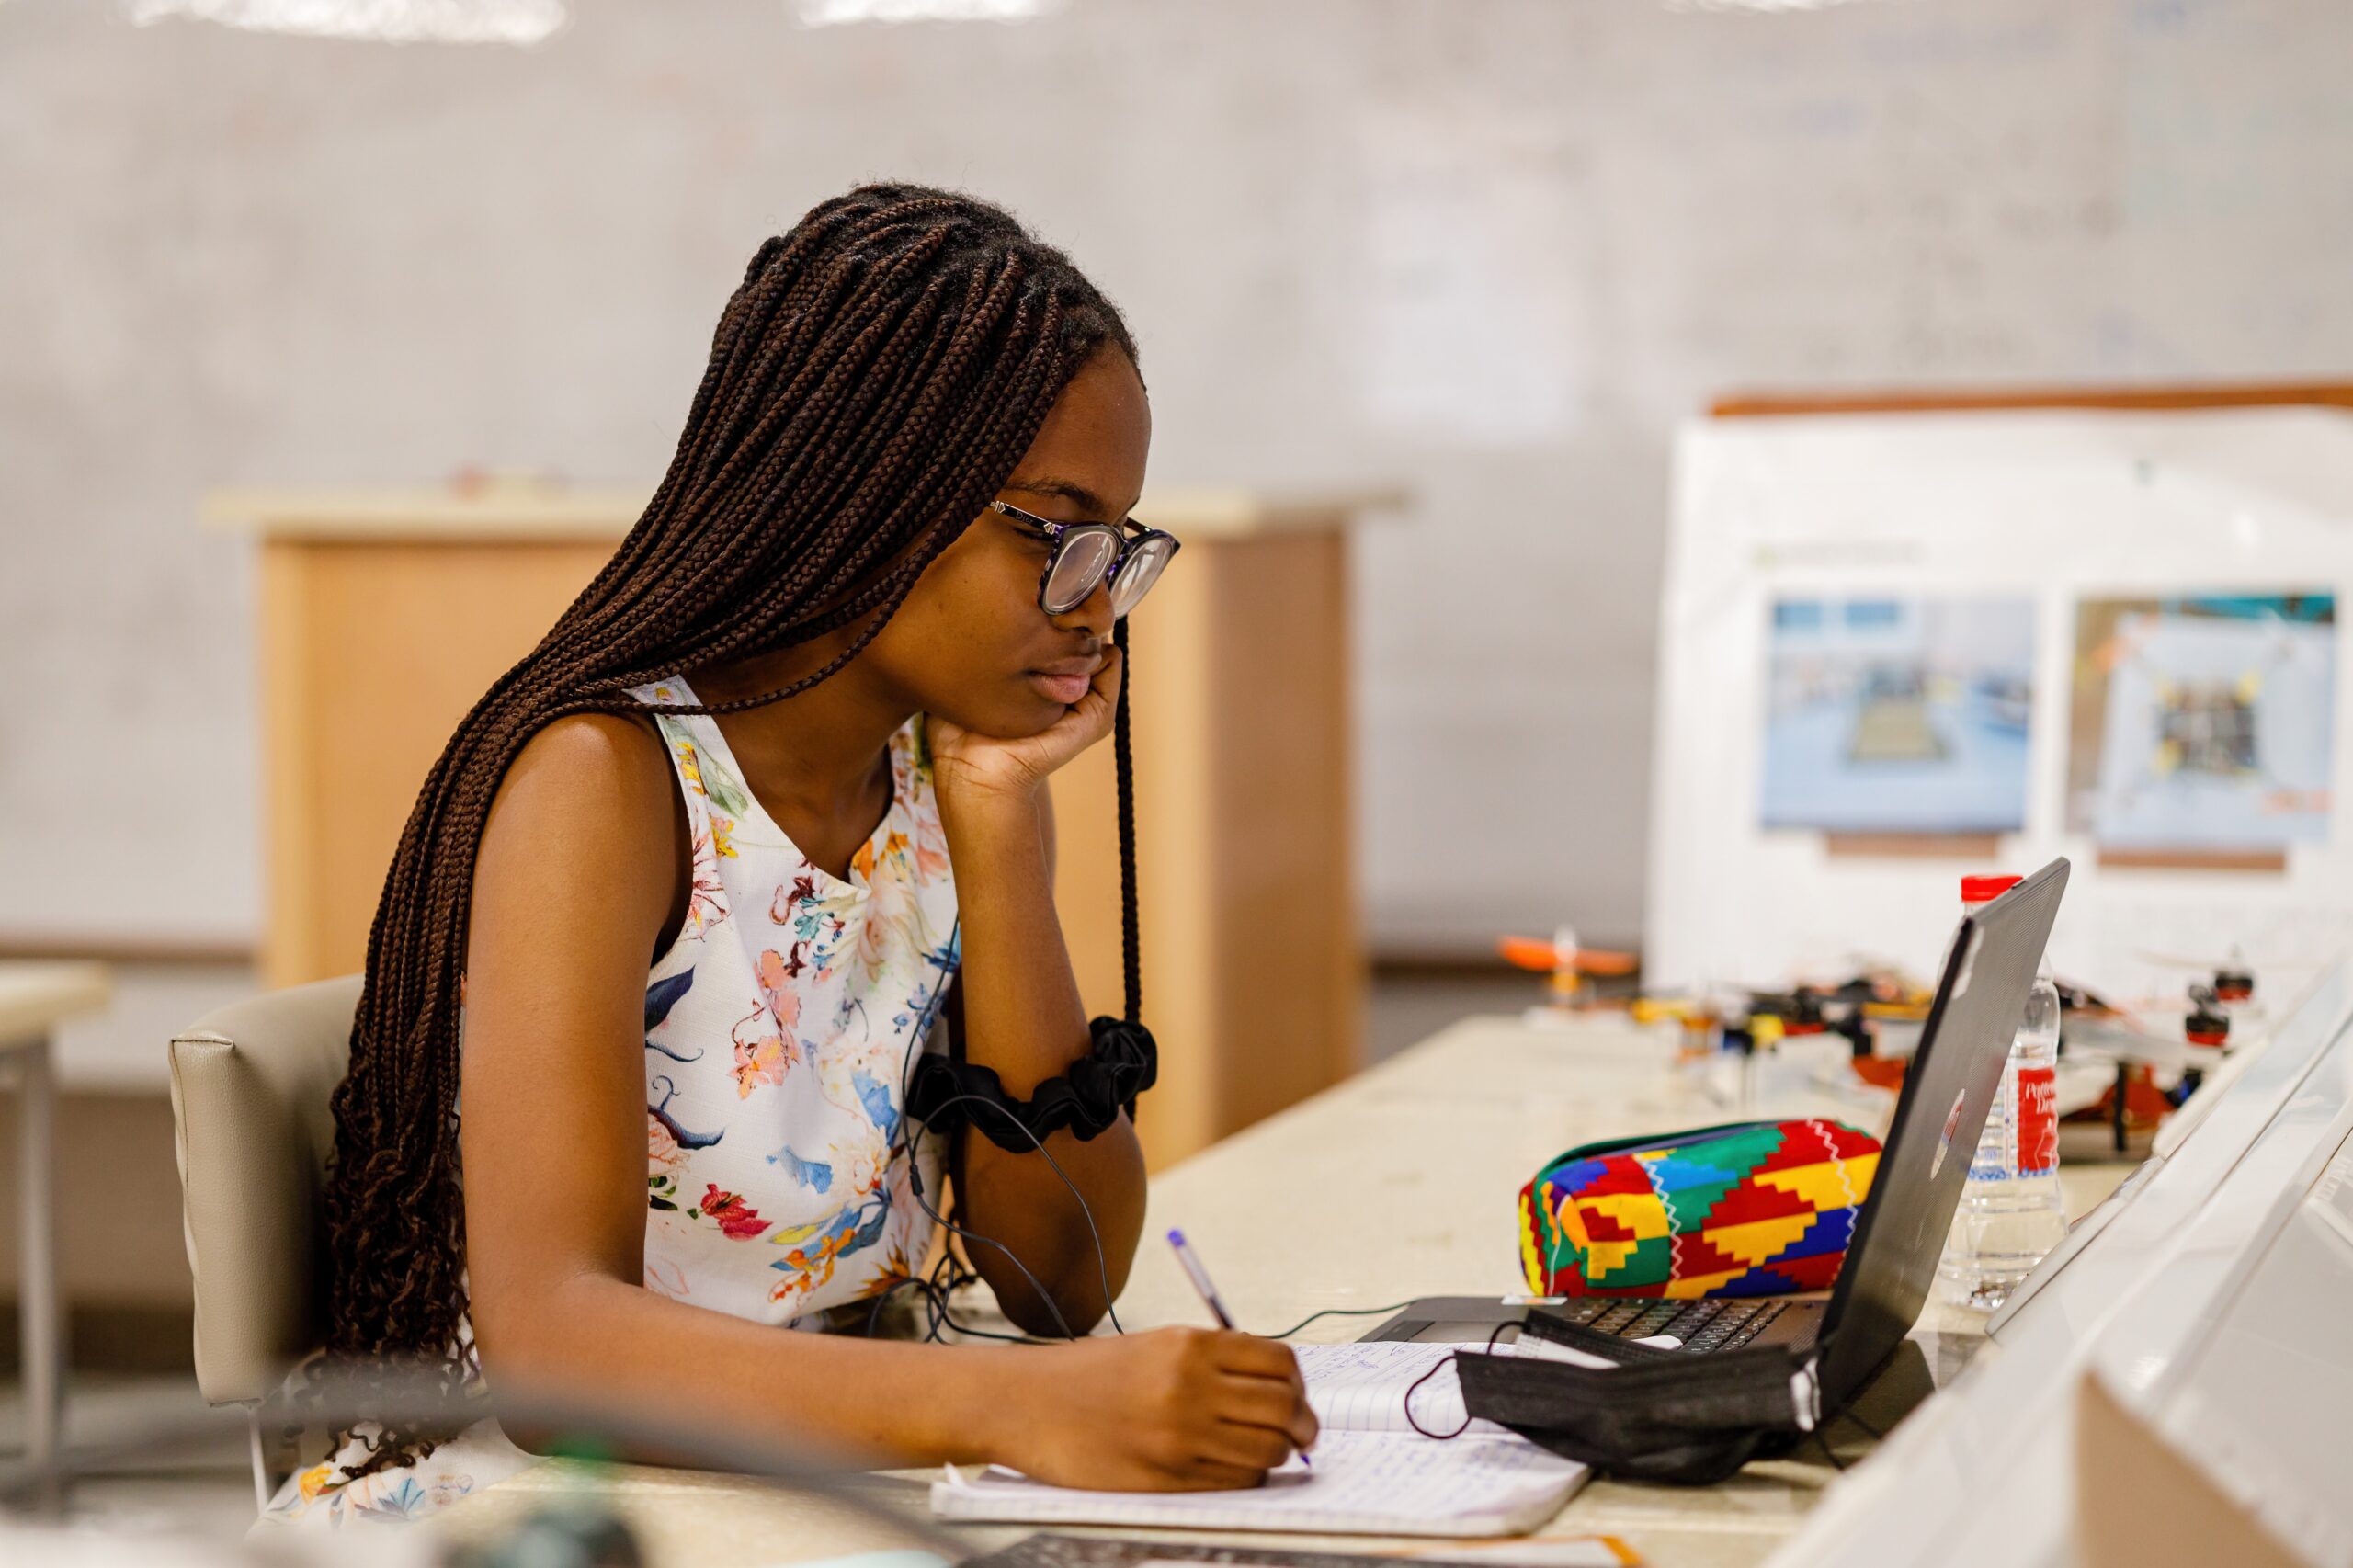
(1411, 1420)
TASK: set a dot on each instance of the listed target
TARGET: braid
(1124, 769)
(872, 382)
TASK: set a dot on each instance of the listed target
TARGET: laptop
(1900, 1231)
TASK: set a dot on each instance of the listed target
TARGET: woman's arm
(573, 886)
(1022, 1016)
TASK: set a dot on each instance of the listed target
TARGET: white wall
(1492, 249)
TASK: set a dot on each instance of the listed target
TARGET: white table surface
(1401, 1182)
(36, 997)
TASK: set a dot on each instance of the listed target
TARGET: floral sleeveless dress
(781, 1029)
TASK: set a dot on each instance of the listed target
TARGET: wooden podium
(384, 615)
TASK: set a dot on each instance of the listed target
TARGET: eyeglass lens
(1137, 574)
(1086, 555)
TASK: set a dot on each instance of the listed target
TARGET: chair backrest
(250, 1084)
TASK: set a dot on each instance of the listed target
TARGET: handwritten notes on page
(1362, 1483)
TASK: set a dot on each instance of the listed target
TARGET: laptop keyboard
(1723, 1324)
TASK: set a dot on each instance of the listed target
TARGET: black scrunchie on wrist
(1122, 1064)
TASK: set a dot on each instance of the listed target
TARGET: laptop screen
(1947, 1090)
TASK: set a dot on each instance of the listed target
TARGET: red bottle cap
(1978, 890)
(2205, 1026)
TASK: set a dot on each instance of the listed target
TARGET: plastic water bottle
(2011, 1212)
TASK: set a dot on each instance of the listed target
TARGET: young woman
(706, 866)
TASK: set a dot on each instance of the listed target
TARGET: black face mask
(1651, 1415)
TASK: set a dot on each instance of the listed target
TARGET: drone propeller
(1544, 958)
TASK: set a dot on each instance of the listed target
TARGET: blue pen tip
(1176, 1236)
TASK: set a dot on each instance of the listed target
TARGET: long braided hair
(871, 384)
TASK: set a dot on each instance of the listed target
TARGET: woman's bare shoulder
(590, 790)
(595, 754)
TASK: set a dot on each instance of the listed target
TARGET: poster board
(1944, 575)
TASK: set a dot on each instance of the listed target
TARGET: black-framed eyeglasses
(1126, 554)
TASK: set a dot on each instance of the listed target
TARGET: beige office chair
(250, 1084)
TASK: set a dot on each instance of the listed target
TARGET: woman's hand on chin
(969, 768)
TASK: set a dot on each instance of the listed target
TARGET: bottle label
(2038, 1120)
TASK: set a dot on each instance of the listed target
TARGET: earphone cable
(915, 1175)
(915, 1182)
(1102, 1261)
(1339, 1312)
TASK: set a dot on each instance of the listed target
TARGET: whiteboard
(1492, 249)
(2052, 507)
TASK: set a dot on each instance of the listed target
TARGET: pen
(1201, 1279)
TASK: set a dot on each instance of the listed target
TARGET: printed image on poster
(1897, 715)
(2203, 723)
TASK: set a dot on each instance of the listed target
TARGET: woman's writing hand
(967, 765)
(1174, 1409)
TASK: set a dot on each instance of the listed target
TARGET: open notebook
(1373, 1474)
